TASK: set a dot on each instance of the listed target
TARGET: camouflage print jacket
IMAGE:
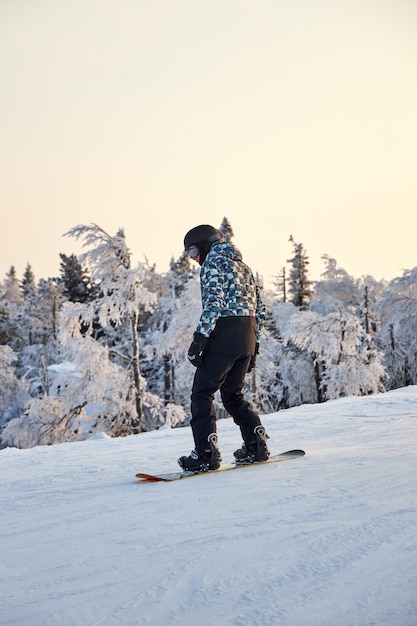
(233, 313)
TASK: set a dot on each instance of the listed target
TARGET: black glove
(196, 350)
(252, 362)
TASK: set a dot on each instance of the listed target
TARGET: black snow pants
(227, 373)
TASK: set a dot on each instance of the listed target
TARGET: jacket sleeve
(259, 314)
(213, 298)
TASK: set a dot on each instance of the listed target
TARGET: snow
(327, 539)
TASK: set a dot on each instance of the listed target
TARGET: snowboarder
(223, 350)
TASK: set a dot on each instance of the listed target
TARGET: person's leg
(232, 396)
(207, 380)
(254, 435)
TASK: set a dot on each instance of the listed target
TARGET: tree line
(102, 347)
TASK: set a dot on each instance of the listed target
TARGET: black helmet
(202, 236)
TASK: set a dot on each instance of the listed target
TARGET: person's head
(198, 241)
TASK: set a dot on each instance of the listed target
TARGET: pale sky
(289, 117)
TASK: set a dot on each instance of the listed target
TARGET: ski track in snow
(327, 539)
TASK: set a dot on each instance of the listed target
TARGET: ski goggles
(193, 252)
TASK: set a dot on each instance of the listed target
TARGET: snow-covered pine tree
(28, 284)
(5, 326)
(37, 323)
(7, 323)
(369, 311)
(299, 283)
(30, 329)
(11, 288)
(11, 300)
(38, 316)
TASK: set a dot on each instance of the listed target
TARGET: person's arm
(259, 314)
(213, 299)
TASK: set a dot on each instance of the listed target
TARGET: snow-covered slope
(325, 540)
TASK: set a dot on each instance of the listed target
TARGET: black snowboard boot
(208, 459)
(256, 450)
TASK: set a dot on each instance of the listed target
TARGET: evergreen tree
(280, 283)
(11, 288)
(74, 279)
(7, 327)
(28, 285)
(50, 301)
(226, 230)
(365, 312)
(39, 315)
(180, 272)
(10, 302)
(36, 331)
(299, 284)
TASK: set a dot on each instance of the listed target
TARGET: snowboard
(224, 467)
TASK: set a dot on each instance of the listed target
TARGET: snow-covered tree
(41, 424)
(336, 288)
(290, 380)
(398, 334)
(7, 324)
(123, 296)
(34, 320)
(36, 334)
(395, 356)
(86, 394)
(299, 283)
(28, 284)
(10, 302)
(11, 288)
(82, 363)
(179, 274)
(167, 341)
(13, 391)
(369, 308)
(345, 364)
